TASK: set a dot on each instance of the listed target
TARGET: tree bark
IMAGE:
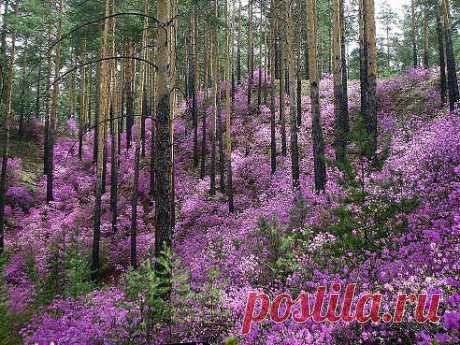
(450, 57)
(103, 101)
(371, 75)
(194, 74)
(204, 120)
(339, 127)
(272, 87)
(292, 63)
(83, 110)
(215, 87)
(5, 132)
(250, 53)
(228, 104)
(425, 39)
(163, 134)
(54, 111)
(414, 33)
(344, 70)
(317, 132)
(282, 83)
(238, 46)
(442, 61)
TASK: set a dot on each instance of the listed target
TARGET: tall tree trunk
(153, 125)
(3, 35)
(259, 86)
(317, 133)
(49, 72)
(272, 87)
(363, 61)
(5, 132)
(228, 103)
(115, 111)
(442, 61)
(451, 65)
(130, 74)
(214, 78)
(220, 126)
(54, 111)
(371, 75)
(97, 111)
(137, 141)
(24, 87)
(292, 63)
(37, 99)
(425, 39)
(414, 33)
(344, 70)
(339, 127)
(163, 133)
(83, 110)
(250, 53)
(173, 103)
(204, 122)
(103, 102)
(238, 46)
(195, 75)
(72, 106)
(282, 82)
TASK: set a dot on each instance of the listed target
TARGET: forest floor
(389, 224)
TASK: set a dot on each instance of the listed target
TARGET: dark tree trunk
(425, 39)
(339, 126)
(371, 75)
(54, 112)
(104, 165)
(114, 173)
(145, 111)
(37, 99)
(344, 71)
(134, 198)
(277, 60)
(5, 132)
(204, 116)
(215, 95)
(293, 106)
(317, 133)
(442, 61)
(194, 76)
(281, 98)
(363, 61)
(299, 98)
(238, 46)
(450, 57)
(164, 134)
(152, 190)
(414, 34)
(97, 116)
(272, 55)
(250, 55)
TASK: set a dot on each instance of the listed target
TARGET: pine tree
(5, 128)
(163, 133)
(317, 132)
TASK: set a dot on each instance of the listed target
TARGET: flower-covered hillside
(390, 224)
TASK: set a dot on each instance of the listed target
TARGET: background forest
(162, 158)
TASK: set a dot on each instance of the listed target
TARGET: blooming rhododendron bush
(391, 226)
